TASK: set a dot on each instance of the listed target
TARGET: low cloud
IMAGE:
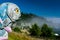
(54, 19)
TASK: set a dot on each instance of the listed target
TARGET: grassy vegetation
(45, 33)
(19, 36)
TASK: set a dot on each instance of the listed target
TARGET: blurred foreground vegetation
(19, 36)
(35, 33)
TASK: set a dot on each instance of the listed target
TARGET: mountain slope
(20, 36)
(30, 19)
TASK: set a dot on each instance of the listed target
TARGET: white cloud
(54, 19)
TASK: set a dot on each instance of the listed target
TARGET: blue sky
(45, 8)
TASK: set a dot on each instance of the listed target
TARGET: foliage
(46, 31)
(19, 36)
(35, 30)
(16, 29)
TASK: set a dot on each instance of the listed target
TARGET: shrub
(35, 30)
(46, 31)
(16, 29)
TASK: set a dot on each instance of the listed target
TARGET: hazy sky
(45, 8)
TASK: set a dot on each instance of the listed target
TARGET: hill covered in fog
(28, 19)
